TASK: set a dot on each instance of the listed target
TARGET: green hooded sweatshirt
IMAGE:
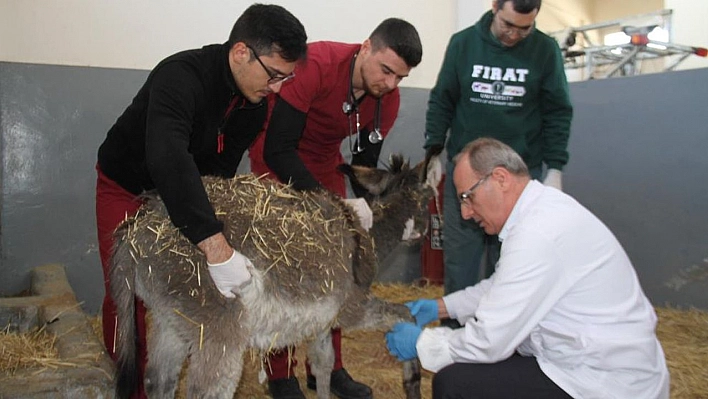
(518, 95)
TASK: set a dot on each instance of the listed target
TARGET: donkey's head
(398, 195)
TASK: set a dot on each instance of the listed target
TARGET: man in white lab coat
(562, 316)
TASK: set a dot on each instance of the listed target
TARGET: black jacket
(169, 136)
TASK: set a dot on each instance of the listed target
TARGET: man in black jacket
(196, 115)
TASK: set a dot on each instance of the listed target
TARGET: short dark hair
(522, 6)
(401, 37)
(269, 28)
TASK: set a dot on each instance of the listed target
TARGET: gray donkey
(313, 268)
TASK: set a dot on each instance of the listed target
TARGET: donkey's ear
(397, 163)
(373, 180)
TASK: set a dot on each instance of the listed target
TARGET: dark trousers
(518, 377)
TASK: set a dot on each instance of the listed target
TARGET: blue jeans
(469, 253)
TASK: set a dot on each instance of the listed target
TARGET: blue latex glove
(401, 341)
(424, 311)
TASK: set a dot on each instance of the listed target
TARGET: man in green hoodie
(500, 78)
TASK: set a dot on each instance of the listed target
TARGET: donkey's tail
(123, 293)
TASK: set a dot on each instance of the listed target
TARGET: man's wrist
(216, 249)
(442, 309)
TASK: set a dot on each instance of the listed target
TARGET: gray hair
(485, 154)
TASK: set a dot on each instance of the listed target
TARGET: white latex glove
(554, 179)
(231, 275)
(434, 172)
(409, 232)
(361, 208)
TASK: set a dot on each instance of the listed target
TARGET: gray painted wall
(637, 160)
(53, 119)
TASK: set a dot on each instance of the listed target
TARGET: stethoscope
(350, 107)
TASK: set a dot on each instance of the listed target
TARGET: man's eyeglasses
(509, 28)
(466, 196)
(274, 78)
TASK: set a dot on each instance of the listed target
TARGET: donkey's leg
(215, 369)
(371, 313)
(411, 379)
(167, 351)
(365, 312)
(321, 356)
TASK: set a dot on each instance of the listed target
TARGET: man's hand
(361, 208)
(430, 153)
(231, 275)
(401, 341)
(434, 173)
(424, 311)
(554, 179)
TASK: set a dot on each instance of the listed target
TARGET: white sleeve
(433, 349)
(526, 284)
(462, 305)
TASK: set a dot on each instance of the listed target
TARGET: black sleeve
(281, 143)
(369, 157)
(170, 115)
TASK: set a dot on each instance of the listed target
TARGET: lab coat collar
(532, 191)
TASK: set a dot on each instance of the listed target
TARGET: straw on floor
(683, 335)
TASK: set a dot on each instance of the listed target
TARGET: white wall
(469, 11)
(689, 28)
(136, 34)
(556, 15)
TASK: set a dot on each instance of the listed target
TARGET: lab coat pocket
(561, 348)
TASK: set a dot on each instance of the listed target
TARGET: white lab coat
(565, 292)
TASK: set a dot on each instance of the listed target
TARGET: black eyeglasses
(274, 78)
(466, 196)
(509, 28)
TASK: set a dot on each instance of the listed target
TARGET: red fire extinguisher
(431, 253)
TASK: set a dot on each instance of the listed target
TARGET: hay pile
(33, 350)
(683, 335)
(305, 236)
